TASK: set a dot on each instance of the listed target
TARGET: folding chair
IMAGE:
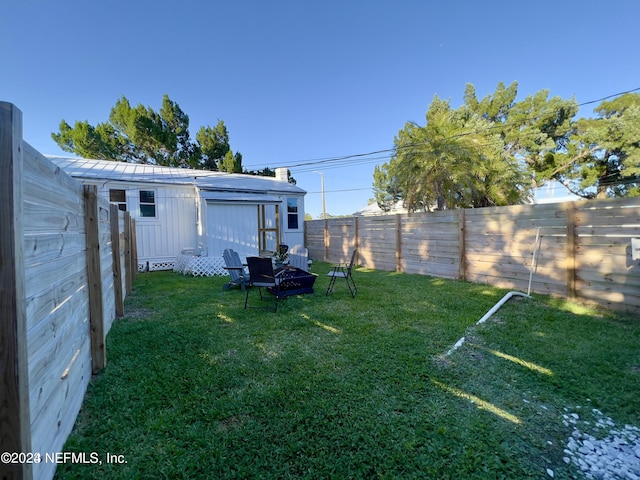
(261, 275)
(342, 270)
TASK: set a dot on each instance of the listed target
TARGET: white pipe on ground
(486, 316)
(506, 298)
(455, 347)
(495, 308)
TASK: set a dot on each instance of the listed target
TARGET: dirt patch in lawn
(138, 313)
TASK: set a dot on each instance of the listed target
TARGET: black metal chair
(261, 274)
(343, 270)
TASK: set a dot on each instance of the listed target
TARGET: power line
(343, 190)
(362, 161)
(350, 160)
(609, 96)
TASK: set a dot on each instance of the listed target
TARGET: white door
(232, 226)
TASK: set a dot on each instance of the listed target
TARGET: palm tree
(454, 161)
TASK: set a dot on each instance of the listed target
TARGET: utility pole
(324, 218)
(324, 207)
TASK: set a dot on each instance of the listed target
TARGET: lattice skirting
(152, 266)
(155, 266)
(200, 266)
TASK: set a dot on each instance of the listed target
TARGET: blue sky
(296, 81)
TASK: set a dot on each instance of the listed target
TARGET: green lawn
(337, 387)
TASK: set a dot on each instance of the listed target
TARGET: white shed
(205, 212)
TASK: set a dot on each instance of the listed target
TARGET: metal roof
(205, 180)
(238, 197)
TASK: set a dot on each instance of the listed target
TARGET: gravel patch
(600, 448)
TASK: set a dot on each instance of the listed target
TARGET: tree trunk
(604, 178)
(441, 202)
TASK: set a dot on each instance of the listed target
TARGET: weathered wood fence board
(501, 242)
(582, 249)
(378, 248)
(314, 239)
(47, 308)
(341, 233)
(605, 271)
(15, 422)
(117, 241)
(430, 244)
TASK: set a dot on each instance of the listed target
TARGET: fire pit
(294, 281)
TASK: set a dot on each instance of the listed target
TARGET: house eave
(104, 171)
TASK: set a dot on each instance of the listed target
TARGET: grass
(337, 387)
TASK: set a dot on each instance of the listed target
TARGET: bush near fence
(583, 249)
(66, 264)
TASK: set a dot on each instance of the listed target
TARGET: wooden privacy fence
(582, 249)
(66, 263)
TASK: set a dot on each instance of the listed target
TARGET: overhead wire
(608, 97)
(340, 161)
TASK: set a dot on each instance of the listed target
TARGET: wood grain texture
(583, 249)
(15, 424)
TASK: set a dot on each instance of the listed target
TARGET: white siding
(174, 227)
(293, 237)
(179, 222)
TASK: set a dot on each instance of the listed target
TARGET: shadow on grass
(341, 387)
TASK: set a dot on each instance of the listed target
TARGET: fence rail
(65, 263)
(582, 249)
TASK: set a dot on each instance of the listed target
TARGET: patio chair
(261, 274)
(234, 266)
(299, 257)
(343, 270)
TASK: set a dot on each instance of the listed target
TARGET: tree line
(141, 134)
(496, 150)
(487, 152)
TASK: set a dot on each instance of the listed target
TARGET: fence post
(15, 418)
(356, 238)
(571, 249)
(462, 245)
(326, 240)
(94, 278)
(128, 264)
(134, 250)
(115, 250)
(398, 243)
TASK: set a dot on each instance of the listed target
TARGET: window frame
(122, 203)
(143, 211)
(293, 212)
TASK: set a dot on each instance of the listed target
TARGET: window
(147, 203)
(292, 213)
(119, 197)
